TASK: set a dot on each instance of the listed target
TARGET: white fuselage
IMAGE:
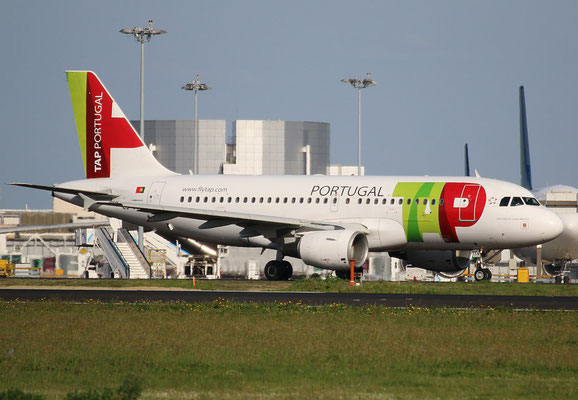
(373, 202)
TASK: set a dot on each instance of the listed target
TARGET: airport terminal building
(254, 147)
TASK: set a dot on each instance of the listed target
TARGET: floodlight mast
(142, 35)
(196, 86)
(359, 84)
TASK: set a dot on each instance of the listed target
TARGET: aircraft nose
(551, 226)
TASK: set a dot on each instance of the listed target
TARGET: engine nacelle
(333, 249)
(438, 260)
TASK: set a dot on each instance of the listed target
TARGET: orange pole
(194, 283)
(352, 280)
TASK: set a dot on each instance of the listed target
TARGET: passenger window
(384, 201)
(325, 200)
(252, 199)
(293, 200)
(206, 199)
(182, 199)
(335, 200)
(408, 202)
(260, 199)
(301, 200)
(317, 200)
(237, 199)
(400, 201)
(531, 201)
(309, 200)
(285, 200)
(441, 202)
(360, 201)
(433, 202)
(376, 201)
(244, 199)
(229, 199)
(392, 201)
(367, 201)
(516, 201)
(213, 200)
(268, 199)
(347, 200)
(424, 202)
(417, 202)
(221, 199)
(277, 200)
(190, 199)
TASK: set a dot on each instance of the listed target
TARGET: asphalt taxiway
(310, 298)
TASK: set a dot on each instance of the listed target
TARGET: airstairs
(160, 257)
(125, 258)
(139, 266)
(113, 255)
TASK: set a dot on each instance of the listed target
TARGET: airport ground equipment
(139, 266)
(6, 269)
(113, 255)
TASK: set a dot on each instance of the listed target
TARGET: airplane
(560, 252)
(327, 221)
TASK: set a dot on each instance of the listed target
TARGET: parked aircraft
(327, 221)
(559, 252)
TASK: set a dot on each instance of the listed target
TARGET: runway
(354, 299)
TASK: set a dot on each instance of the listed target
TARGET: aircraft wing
(216, 218)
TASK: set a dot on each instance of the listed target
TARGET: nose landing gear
(482, 274)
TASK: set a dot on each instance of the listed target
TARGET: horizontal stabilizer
(89, 193)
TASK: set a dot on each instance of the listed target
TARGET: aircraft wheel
(343, 274)
(558, 279)
(487, 274)
(274, 270)
(479, 275)
(287, 270)
(566, 280)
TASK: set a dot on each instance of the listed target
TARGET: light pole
(142, 35)
(359, 84)
(196, 86)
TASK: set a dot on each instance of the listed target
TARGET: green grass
(475, 288)
(285, 351)
(315, 285)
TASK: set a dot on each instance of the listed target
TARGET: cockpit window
(504, 202)
(516, 201)
(531, 201)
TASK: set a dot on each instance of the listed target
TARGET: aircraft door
(334, 202)
(154, 196)
(467, 203)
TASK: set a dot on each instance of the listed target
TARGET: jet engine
(333, 249)
(437, 260)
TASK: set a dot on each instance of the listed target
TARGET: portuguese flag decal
(140, 189)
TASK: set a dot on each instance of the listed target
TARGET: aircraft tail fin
(525, 169)
(110, 145)
(467, 161)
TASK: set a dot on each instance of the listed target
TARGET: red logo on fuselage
(463, 206)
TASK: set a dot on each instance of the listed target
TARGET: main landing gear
(278, 270)
(482, 274)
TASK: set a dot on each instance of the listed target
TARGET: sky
(447, 74)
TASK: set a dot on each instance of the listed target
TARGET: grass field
(286, 351)
(316, 285)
